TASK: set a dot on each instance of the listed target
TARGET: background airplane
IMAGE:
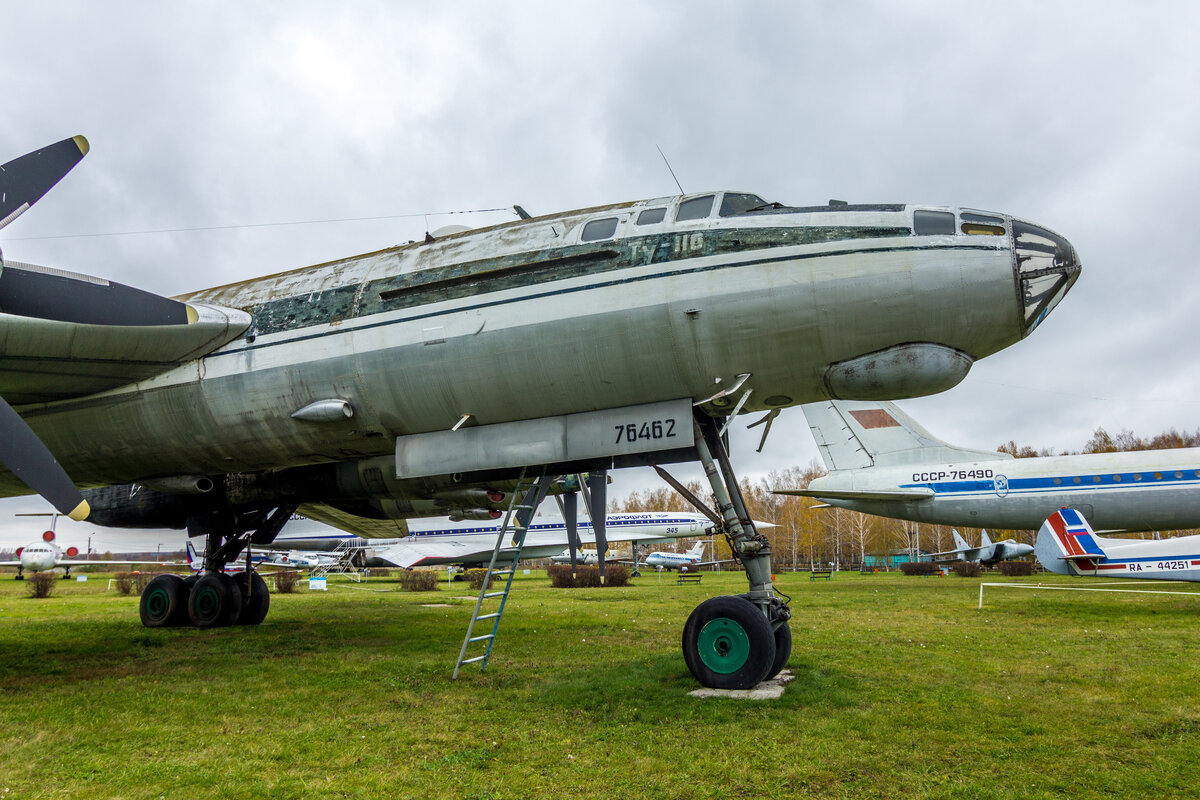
(883, 462)
(1067, 545)
(690, 559)
(467, 543)
(588, 558)
(988, 552)
(45, 554)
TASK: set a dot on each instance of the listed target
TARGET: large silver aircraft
(883, 462)
(431, 377)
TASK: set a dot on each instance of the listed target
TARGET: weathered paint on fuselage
(1133, 491)
(523, 320)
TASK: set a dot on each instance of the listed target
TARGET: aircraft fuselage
(1132, 491)
(540, 317)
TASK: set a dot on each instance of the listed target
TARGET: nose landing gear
(735, 642)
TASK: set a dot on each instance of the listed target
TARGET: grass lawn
(903, 689)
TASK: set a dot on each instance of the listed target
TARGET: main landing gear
(735, 642)
(215, 598)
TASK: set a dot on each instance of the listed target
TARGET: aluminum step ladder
(521, 507)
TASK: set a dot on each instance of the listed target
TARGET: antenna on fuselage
(668, 163)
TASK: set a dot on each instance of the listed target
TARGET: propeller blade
(598, 499)
(24, 180)
(570, 511)
(33, 463)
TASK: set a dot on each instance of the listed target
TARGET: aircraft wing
(352, 523)
(960, 551)
(899, 493)
(426, 551)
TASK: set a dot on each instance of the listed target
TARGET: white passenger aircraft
(436, 542)
(1066, 544)
(882, 462)
(44, 555)
(680, 561)
(586, 557)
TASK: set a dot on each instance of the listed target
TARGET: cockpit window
(652, 216)
(696, 208)
(734, 204)
(599, 229)
(981, 224)
(932, 223)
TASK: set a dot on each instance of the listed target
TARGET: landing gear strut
(735, 642)
(215, 598)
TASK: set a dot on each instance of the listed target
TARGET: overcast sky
(232, 116)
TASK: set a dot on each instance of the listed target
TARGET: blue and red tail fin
(1067, 537)
(193, 560)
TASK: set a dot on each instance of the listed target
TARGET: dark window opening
(933, 223)
(652, 216)
(599, 229)
(696, 208)
(734, 204)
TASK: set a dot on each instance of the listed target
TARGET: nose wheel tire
(215, 601)
(783, 649)
(728, 643)
(255, 598)
(164, 602)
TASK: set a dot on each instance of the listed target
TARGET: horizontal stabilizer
(881, 495)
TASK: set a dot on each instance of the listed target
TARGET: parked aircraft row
(881, 461)
(427, 379)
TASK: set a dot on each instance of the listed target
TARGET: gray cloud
(211, 114)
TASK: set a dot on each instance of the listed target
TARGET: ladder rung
(495, 594)
(472, 660)
(481, 638)
(501, 573)
(486, 616)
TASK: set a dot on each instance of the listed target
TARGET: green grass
(903, 689)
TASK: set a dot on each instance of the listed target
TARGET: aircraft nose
(1046, 268)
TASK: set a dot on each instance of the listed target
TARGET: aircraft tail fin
(959, 541)
(193, 559)
(697, 549)
(1066, 540)
(984, 539)
(853, 434)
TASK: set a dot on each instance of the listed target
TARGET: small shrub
(124, 581)
(616, 575)
(285, 582)
(41, 584)
(475, 579)
(587, 576)
(380, 572)
(1015, 569)
(967, 569)
(919, 568)
(418, 580)
(140, 579)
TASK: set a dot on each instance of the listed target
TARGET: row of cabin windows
(925, 222)
(732, 205)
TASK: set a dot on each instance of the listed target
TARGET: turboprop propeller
(23, 181)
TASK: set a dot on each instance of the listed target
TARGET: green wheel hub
(723, 645)
(207, 601)
(158, 603)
